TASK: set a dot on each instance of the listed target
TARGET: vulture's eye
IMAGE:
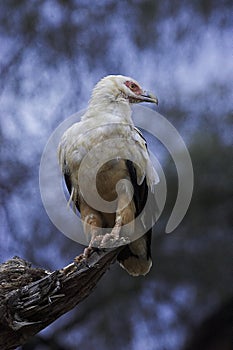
(131, 85)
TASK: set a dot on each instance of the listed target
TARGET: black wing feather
(69, 184)
(140, 197)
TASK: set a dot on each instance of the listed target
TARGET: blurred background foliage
(52, 53)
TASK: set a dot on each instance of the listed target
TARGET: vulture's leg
(92, 224)
(124, 215)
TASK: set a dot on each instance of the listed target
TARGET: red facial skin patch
(133, 87)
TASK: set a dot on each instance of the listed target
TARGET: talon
(96, 241)
(78, 259)
(111, 241)
(87, 252)
(85, 255)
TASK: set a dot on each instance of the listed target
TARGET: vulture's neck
(105, 110)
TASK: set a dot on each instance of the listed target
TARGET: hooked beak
(148, 97)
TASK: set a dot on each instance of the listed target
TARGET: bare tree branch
(32, 298)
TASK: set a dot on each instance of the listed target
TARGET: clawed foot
(96, 241)
(111, 241)
(86, 254)
(108, 240)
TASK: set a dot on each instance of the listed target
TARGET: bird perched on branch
(109, 174)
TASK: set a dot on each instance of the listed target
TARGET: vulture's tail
(135, 258)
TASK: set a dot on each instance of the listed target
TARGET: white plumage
(106, 139)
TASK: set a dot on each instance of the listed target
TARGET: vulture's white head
(113, 95)
(118, 88)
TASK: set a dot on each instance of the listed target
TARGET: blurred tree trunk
(32, 298)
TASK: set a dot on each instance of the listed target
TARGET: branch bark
(32, 298)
